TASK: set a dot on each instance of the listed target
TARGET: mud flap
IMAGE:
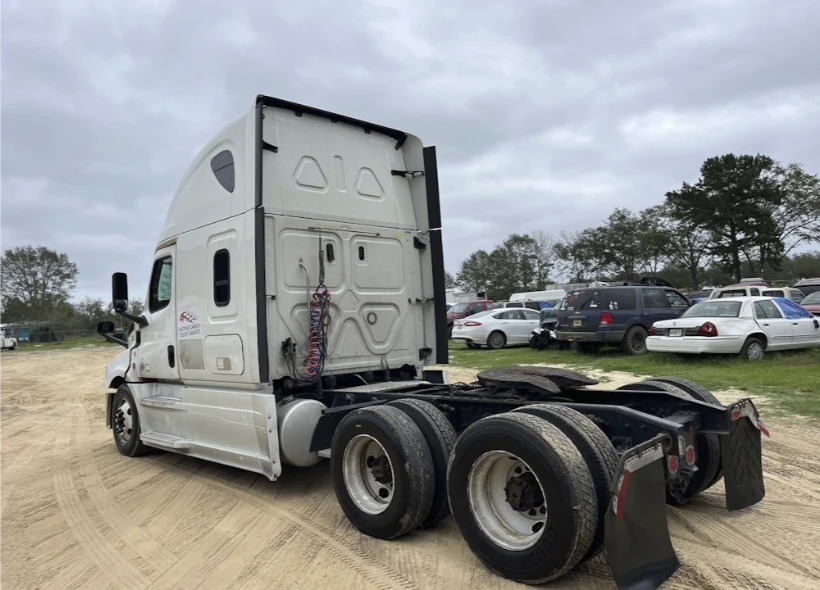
(639, 549)
(743, 457)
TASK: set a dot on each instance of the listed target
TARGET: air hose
(319, 321)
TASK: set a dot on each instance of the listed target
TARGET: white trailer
(296, 296)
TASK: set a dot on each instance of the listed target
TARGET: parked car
(466, 309)
(544, 335)
(748, 326)
(808, 286)
(529, 304)
(621, 316)
(496, 328)
(752, 290)
(698, 296)
(8, 342)
(812, 303)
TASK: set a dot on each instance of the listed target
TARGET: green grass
(790, 379)
(80, 341)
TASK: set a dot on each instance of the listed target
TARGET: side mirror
(105, 327)
(119, 291)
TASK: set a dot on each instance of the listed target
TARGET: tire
(597, 451)
(753, 349)
(702, 394)
(496, 340)
(13, 346)
(450, 331)
(634, 341)
(394, 435)
(441, 438)
(126, 422)
(560, 474)
(707, 447)
(473, 345)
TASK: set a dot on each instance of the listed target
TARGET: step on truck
(295, 307)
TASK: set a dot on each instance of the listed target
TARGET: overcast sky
(547, 114)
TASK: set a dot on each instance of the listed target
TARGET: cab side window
(161, 280)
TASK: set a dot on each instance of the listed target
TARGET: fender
(116, 369)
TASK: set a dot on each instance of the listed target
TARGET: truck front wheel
(126, 424)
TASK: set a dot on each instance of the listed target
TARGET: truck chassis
(540, 470)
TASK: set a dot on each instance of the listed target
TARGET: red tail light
(472, 323)
(652, 330)
(708, 329)
(606, 319)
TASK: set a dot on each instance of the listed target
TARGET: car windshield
(714, 309)
(812, 299)
(459, 308)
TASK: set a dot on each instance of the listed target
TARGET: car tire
(450, 331)
(496, 340)
(634, 342)
(753, 349)
(473, 345)
(13, 346)
(562, 506)
(403, 500)
(596, 449)
(126, 424)
(441, 438)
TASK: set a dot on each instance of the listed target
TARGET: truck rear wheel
(382, 471)
(707, 448)
(634, 341)
(126, 424)
(595, 448)
(441, 438)
(700, 393)
(522, 497)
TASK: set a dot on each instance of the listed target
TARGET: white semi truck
(296, 297)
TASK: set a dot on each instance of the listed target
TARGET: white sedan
(497, 327)
(748, 326)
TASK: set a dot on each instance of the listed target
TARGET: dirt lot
(75, 514)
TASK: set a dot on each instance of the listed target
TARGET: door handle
(765, 324)
(171, 361)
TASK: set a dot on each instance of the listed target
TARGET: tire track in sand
(116, 567)
(343, 550)
(114, 515)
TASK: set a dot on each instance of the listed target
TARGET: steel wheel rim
(363, 462)
(124, 421)
(487, 491)
(497, 340)
(755, 351)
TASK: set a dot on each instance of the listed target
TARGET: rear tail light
(708, 329)
(472, 323)
(652, 330)
(606, 319)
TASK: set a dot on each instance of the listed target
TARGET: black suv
(620, 316)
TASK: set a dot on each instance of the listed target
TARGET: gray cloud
(546, 114)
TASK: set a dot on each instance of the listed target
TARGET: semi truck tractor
(295, 313)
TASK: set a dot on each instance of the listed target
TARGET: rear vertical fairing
(360, 194)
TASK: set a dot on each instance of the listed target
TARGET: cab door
(156, 355)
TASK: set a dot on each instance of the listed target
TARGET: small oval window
(222, 166)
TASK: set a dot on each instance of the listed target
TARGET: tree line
(744, 216)
(37, 286)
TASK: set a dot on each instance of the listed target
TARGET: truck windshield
(459, 308)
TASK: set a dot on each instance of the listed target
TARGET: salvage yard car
(812, 303)
(748, 326)
(619, 316)
(496, 328)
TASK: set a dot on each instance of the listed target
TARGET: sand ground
(76, 514)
